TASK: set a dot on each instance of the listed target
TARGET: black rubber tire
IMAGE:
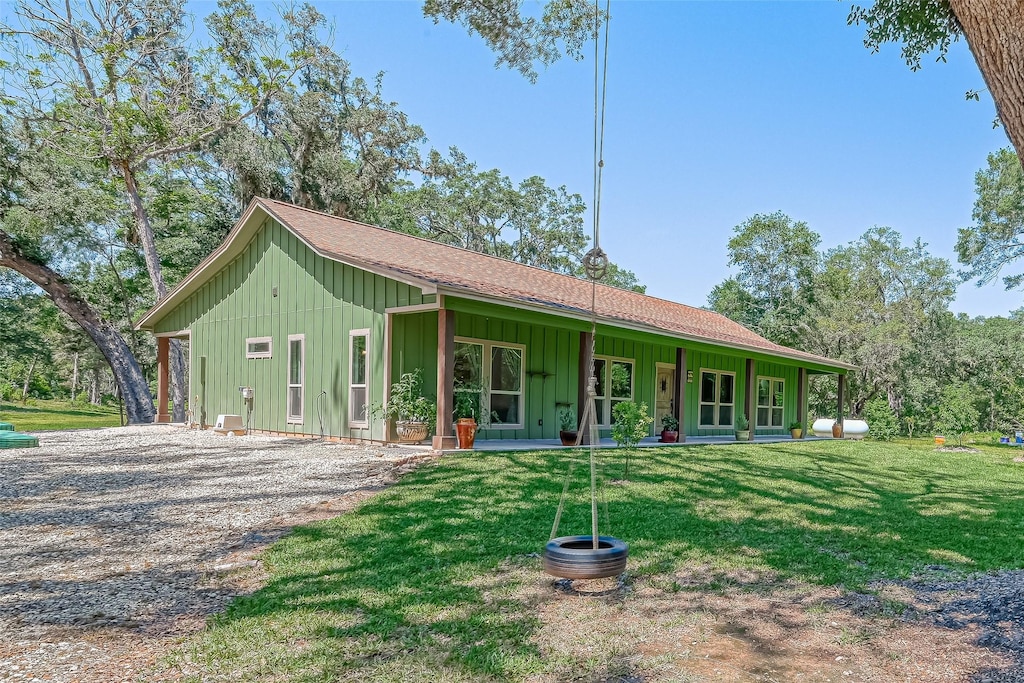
(574, 557)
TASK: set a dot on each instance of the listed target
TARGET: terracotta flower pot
(668, 436)
(465, 429)
(837, 430)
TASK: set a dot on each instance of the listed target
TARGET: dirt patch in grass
(707, 625)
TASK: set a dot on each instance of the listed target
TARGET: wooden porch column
(162, 378)
(586, 367)
(750, 400)
(841, 399)
(445, 436)
(801, 399)
(679, 401)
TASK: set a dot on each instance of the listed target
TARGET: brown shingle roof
(474, 273)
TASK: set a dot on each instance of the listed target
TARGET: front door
(664, 391)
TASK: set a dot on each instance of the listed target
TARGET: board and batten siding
(316, 297)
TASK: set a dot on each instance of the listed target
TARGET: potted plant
(669, 429)
(413, 413)
(567, 432)
(742, 428)
(467, 407)
(796, 430)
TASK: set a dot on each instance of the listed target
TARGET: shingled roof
(453, 270)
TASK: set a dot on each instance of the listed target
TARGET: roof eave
(639, 327)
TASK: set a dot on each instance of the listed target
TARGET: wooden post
(162, 377)
(679, 401)
(750, 401)
(801, 399)
(841, 399)
(445, 436)
(586, 367)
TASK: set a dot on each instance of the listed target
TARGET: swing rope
(595, 264)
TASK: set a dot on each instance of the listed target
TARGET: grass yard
(46, 415)
(439, 578)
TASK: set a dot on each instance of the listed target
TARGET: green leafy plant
(467, 403)
(630, 423)
(957, 413)
(669, 423)
(883, 423)
(742, 423)
(795, 425)
(567, 419)
(407, 401)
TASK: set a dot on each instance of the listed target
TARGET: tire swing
(594, 556)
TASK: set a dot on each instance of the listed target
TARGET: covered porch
(649, 442)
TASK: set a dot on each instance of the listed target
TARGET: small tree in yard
(957, 413)
(629, 425)
(880, 418)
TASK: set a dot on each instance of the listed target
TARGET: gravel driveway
(114, 543)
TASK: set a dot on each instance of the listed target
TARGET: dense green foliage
(147, 146)
(996, 240)
(405, 588)
(882, 305)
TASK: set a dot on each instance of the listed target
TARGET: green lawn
(426, 581)
(45, 415)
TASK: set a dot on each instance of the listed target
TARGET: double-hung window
(717, 399)
(614, 385)
(296, 376)
(493, 372)
(358, 387)
(770, 392)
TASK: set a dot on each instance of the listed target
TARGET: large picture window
(770, 394)
(358, 387)
(614, 385)
(296, 376)
(494, 373)
(717, 399)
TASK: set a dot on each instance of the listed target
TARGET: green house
(318, 316)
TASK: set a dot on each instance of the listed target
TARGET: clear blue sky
(716, 111)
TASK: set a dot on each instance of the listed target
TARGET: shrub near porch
(438, 577)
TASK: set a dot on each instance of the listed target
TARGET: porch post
(750, 401)
(444, 438)
(586, 367)
(841, 396)
(801, 399)
(162, 378)
(679, 402)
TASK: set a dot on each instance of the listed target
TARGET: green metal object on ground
(17, 440)
(6, 427)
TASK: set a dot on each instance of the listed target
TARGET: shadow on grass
(415, 577)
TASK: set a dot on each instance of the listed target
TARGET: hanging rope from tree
(595, 556)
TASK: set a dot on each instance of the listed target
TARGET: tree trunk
(995, 33)
(28, 379)
(144, 228)
(74, 378)
(127, 373)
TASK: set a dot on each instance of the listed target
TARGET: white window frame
(605, 420)
(485, 379)
(716, 403)
(296, 419)
(269, 353)
(770, 407)
(352, 421)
